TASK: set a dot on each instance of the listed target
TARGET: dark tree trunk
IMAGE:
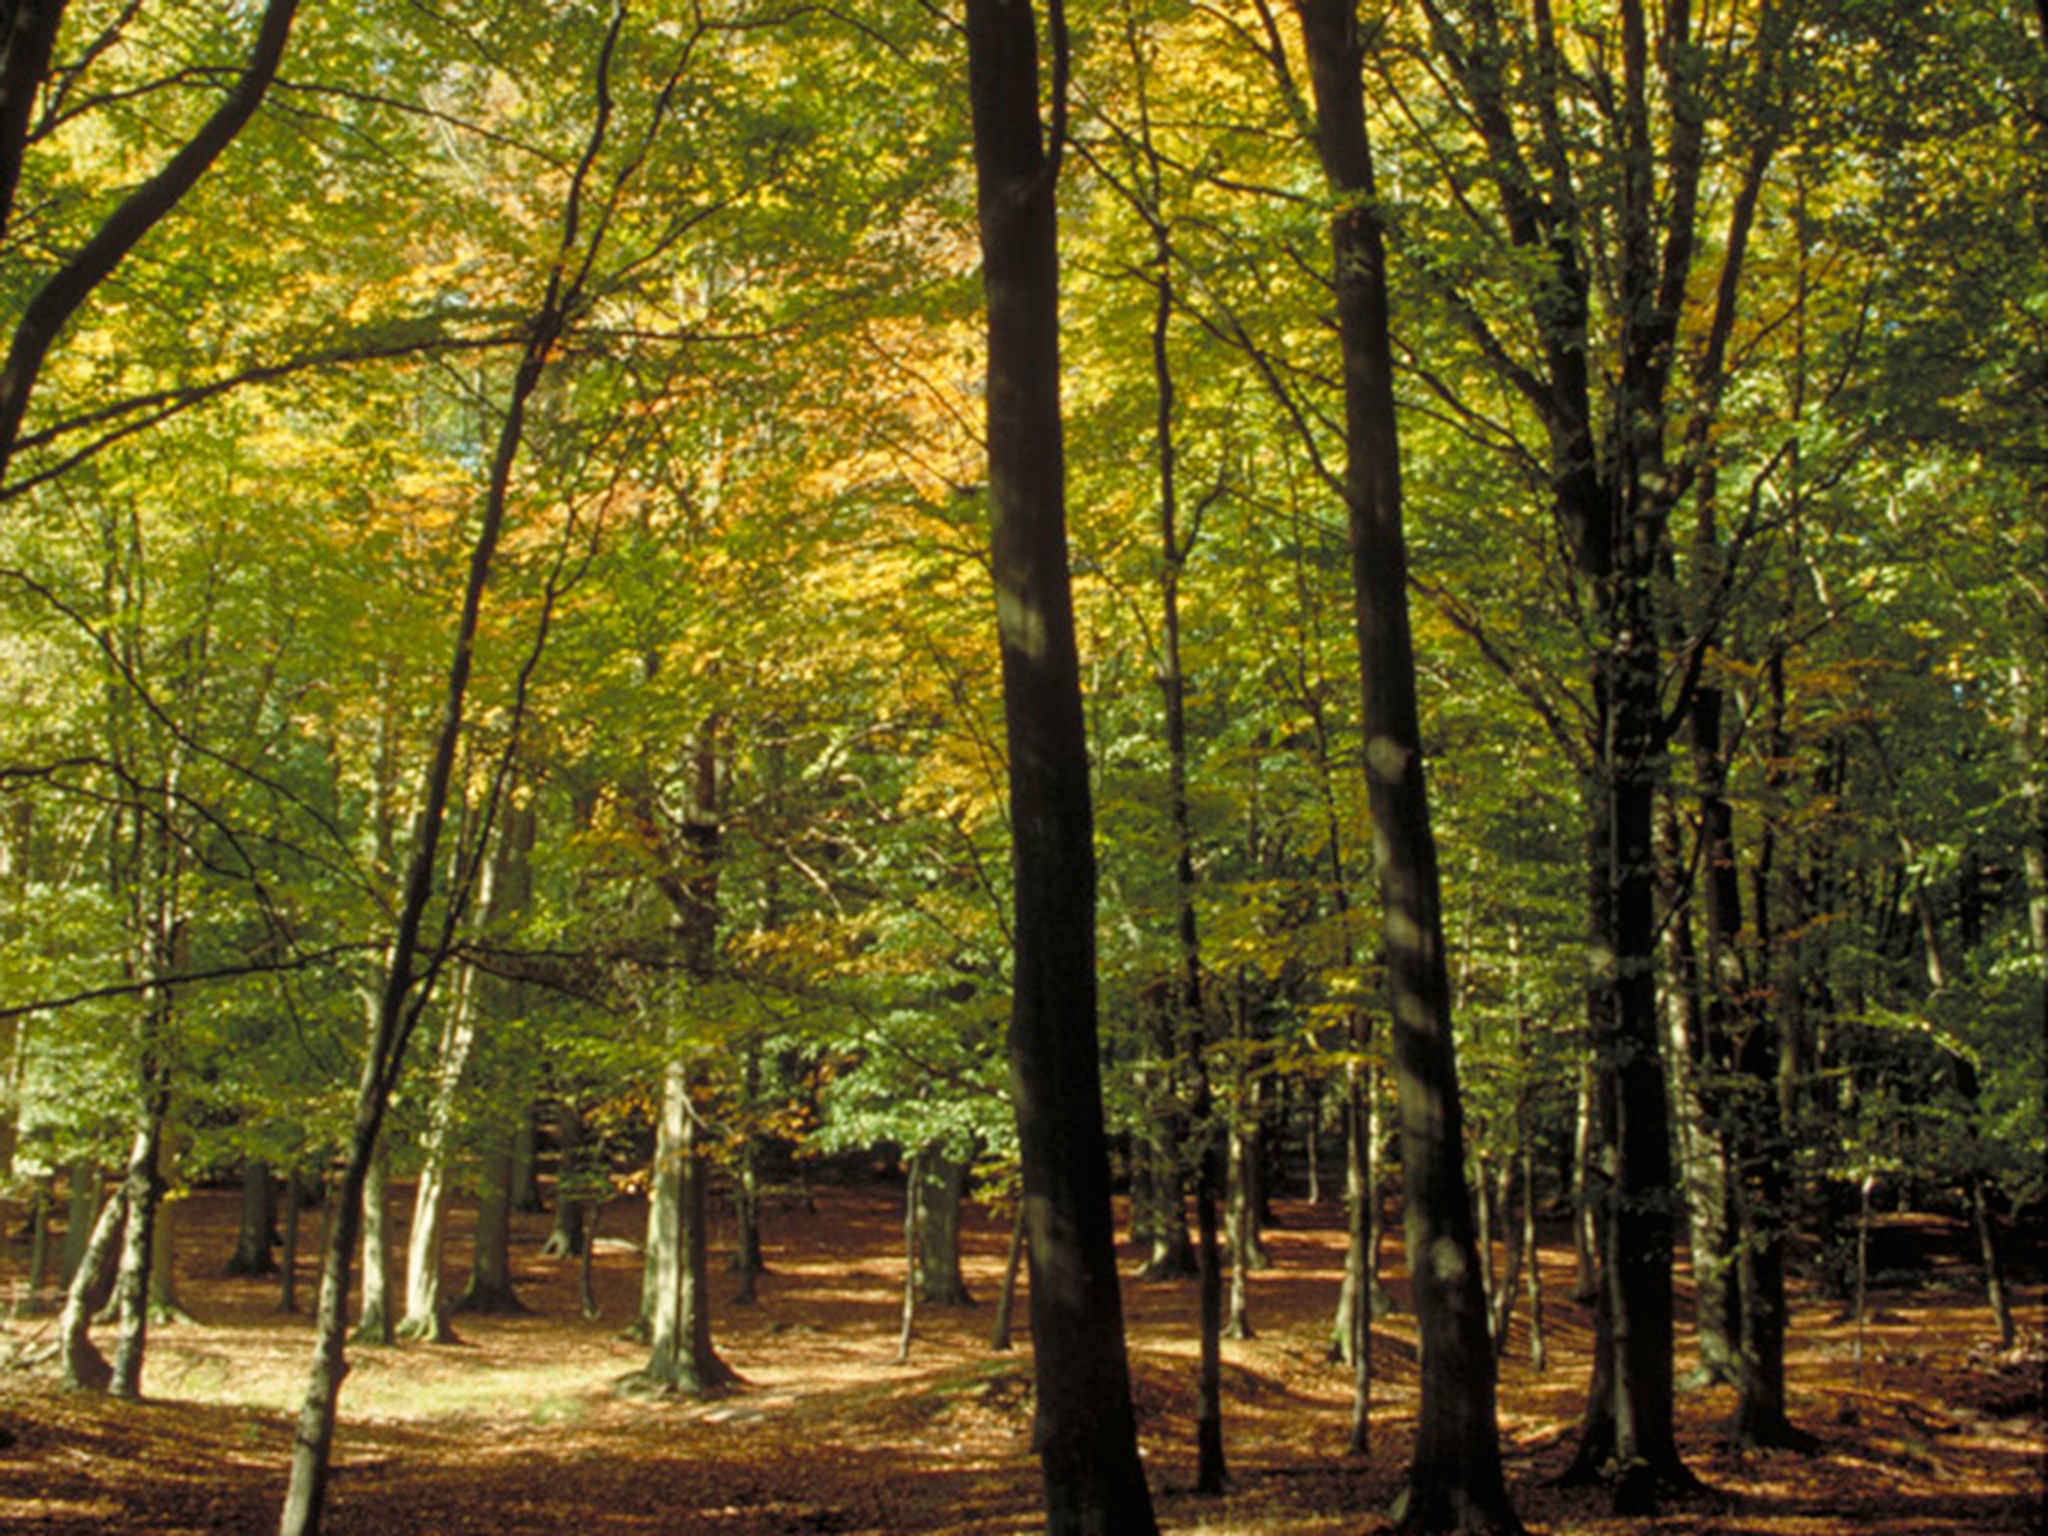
(26, 38)
(1085, 1429)
(253, 1233)
(747, 1261)
(569, 1233)
(288, 1264)
(1454, 1481)
(1762, 1182)
(490, 1287)
(939, 1188)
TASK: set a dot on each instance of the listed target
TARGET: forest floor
(517, 1430)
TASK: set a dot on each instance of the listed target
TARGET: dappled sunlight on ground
(517, 1430)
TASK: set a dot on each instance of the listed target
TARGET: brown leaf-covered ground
(517, 1430)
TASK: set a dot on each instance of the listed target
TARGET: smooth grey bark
(141, 1191)
(1454, 1481)
(83, 1366)
(426, 1312)
(1085, 1430)
(374, 1325)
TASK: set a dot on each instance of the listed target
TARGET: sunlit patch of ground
(517, 1430)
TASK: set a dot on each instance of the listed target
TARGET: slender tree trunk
(1762, 1183)
(143, 1191)
(1006, 1300)
(1584, 1248)
(1085, 1432)
(85, 1368)
(288, 1265)
(406, 989)
(84, 1177)
(1516, 1255)
(375, 1324)
(38, 1244)
(911, 1200)
(1211, 1472)
(1539, 1353)
(1454, 1481)
(747, 1262)
(584, 1292)
(1238, 1225)
(426, 1313)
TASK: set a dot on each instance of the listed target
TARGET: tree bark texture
(375, 1324)
(939, 1188)
(1454, 1480)
(1085, 1430)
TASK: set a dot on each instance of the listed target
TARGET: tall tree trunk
(84, 1366)
(1762, 1183)
(83, 1175)
(711, 1371)
(375, 1324)
(490, 1286)
(575, 1179)
(939, 1188)
(256, 1226)
(142, 1190)
(1454, 1481)
(1237, 1225)
(426, 1312)
(1585, 1250)
(912, 1177)
(407, 985)
(1086, 1432)
(747, 1262)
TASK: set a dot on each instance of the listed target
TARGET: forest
(893, 767)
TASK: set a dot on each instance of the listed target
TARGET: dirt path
(516, 1431)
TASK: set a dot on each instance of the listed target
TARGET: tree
(1085, 1429)
(29, 36)
(1454, 1478)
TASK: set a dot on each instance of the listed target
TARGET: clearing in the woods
(516, 1431)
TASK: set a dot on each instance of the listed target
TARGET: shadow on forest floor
(518, 1433)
